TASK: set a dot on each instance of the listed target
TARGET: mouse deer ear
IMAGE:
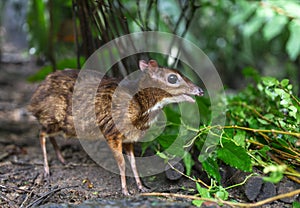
(143, 65)
(153, 64)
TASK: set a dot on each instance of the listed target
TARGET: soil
(81, 181)
(21, 161)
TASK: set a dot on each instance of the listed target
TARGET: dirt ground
(21, 162)
(81, 181)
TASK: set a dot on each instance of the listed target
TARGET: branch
(234, 204)
(195, 180)
(38, 200)
(262, 130)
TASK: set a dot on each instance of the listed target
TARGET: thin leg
(57, 150)
(116, 147)
(130, 153)
(43, 145)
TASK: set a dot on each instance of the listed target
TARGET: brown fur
(51, 104)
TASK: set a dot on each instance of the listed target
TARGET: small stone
(268, 190)
(172, 174)
(285, 187)
(253, 187)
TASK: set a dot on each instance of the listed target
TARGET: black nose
(200, 92)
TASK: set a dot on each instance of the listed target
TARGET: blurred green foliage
(235, 34)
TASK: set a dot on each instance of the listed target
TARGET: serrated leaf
(234, 155)
(293, 44)
(212, 168)
(274, 26)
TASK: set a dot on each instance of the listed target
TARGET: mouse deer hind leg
(116, 148)
(57, 150)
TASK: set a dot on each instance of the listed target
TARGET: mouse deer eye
(172, 78)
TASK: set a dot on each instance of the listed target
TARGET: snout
(195, 90)
(200, 92)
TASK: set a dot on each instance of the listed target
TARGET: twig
(278, 161)
(242, 183)
(38, 200)
(198, 180)
(262, 130)
(257, 113)
(9, 201)
(74, 18)
(147, 14)
(14, 188)
(234, 204)
(4, 155)
(26, 199)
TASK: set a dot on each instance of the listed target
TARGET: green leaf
(203, 191)
(197, 203)
(269, 116)
(269, 81)
(276, 173)
(172, 115)
(222, 193)
(188, 162)
(293, 44)
(293, 111)
(262, 121)
(296, 204)
(212, 168)
(264, 150)
(172, 144)
(234, 155)
(284, 82)
(253, 26)
(41, 74)
(279, 92)
(239, 138)
(251, 72)
(274, 26)
(162, 155)
(166, 140)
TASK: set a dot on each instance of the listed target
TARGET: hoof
(144, 189)
(125, 192)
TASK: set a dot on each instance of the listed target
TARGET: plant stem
(233, 204)
(195, 180)
(262, 130)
